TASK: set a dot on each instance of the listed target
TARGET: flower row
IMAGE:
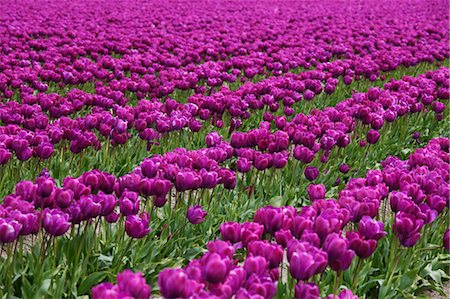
(319, 235)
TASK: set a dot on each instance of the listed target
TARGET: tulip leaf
(276, 201)
(91, 280)
(408, 279)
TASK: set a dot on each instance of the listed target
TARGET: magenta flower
(305, 260)
(306, 290)
(345, 294)
(407, 228)
(362, 247)
(344, 168)
(196, 214)
(215, 268)
(231, 231)
(339, 255)
(9, 230)
(316, 192)
(137, 226)
(106, 290)
(303, 154)
(255, 265)
(311, 173)
(271, 252)
(270, 217)
(55, 222)
(371, 229)
(133, 284)
(373, 136)
(174, 283)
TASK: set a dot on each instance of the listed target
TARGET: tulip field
(224, 149)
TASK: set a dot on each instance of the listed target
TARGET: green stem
(336, 282)
(356, 274)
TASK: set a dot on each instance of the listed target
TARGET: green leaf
(276, 201)
(91, 281)
(27, 289)
(43, 290)
(61, 285)
(408, 279)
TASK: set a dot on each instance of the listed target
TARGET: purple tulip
(196, 214)
(133, 284)
(316, 192)
(303, 154)
(43, 151)
(373, 136)
(173, 283)
(137, 226)
(270, 217)
(328, 222)
(306, 290)
(112, 218)
(344, 168)
(371, 229)
(223, 248)
(55, 222)
(311, 173)
(64, 198)
(305, 261)
(149, 168)
(407, 228)
(106, 290)
(5, 156)
(45, 188)
(9, 230)
(89, 207)
(231, 231)
(271, 252)
(339, 255)
(187, 180)
(215, 267)
(243, 165)
(283, 237)
(362, 247)
(299, 225)
(251, 231)
(255, 265)
(345, 294)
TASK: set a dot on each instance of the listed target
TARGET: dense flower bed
(257, 149)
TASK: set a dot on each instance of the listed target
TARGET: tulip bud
(344, 168)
